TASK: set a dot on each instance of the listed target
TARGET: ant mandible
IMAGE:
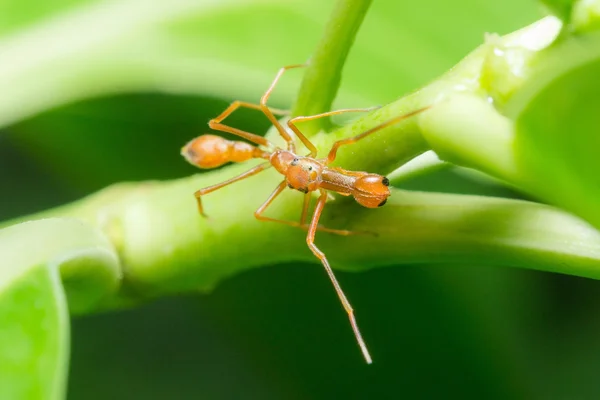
(304, 173)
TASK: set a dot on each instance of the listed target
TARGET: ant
(303, 173)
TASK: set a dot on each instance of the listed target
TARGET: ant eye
(310, 168)
(385, 181)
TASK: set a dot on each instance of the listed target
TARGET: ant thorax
(301, 173)
(304, 174)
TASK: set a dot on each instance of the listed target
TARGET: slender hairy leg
(263, 103)
(258, 214)
(311, 147)
(310, 240)
(206, 190)
(216, 124)
(333, 152)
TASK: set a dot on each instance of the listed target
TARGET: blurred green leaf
(34, 355)
(557, 141)
(108, 47)
(586, 16)
(562, 8)
(34, 314)
(16, 15)
(121, 138)
(549, 151)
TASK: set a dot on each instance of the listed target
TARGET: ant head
(304, 174)
(372, 190)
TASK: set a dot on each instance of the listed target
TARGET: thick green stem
(165, 246)
(324, 73)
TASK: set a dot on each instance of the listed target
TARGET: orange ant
(304, 173)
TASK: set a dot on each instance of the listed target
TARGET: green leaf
(91, 52)
(34, 355)
(562, 8)
(36, 257)
(556, 143)
(18, 14)
(586, 16)
(549, 149)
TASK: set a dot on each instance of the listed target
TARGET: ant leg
(258, 214)
(305, 208)
(216, 124)
(311, 147)
(207, 190)
(333, 152)
(263, 103)
(310, 239)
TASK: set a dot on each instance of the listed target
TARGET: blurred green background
(443, 331)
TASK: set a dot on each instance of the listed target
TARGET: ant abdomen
(211, 151)
(371, 190)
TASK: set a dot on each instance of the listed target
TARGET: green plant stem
(324, 73)
(166, 247)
